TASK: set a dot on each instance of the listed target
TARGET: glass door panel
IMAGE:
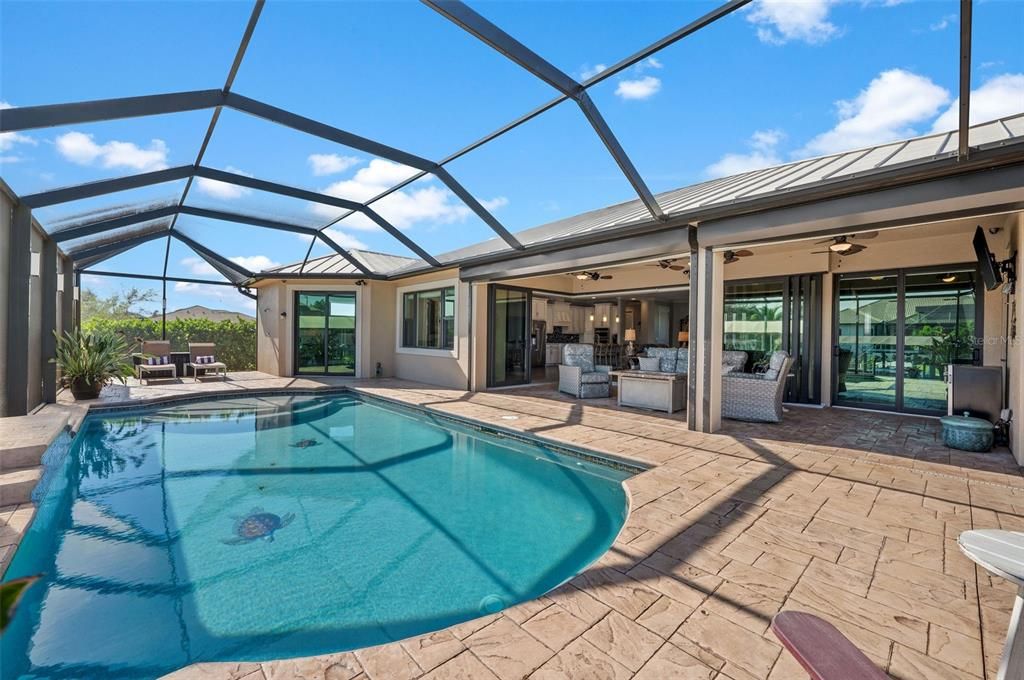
(311, 321)
(866, 354)
(325, 333)
(939, 330)
(341, 334)
(510, 337)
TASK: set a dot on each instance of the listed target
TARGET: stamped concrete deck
(851, 516)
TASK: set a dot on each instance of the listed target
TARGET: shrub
(235, 340)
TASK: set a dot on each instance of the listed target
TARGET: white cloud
(345, 240)
(885, 110)
(81, 148)
(227, 298)
(223, 190)
(649, 62)
(197, 266)
(588, 72)
(780, 21)
(9, 139)
(331, 163)
(641, 88)
(403, 208)
(495, 203)
(763, 154)
(1001, 96)
(943, 23)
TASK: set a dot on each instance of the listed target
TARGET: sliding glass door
(509, 336)
(765, 315)
(325, 333)
(897, 332)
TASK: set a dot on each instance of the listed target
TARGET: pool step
(24, 439)
(16, 485)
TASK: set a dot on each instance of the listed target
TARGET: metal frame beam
(67, 298)
(470, 21)
(154, 277)
(19, 269)
(52, 115)
(90, 252)
(207, 253)
(100, 226)
(964, 145)
(48, 319)
(105, 186)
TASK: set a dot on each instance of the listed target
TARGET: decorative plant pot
(83, 390)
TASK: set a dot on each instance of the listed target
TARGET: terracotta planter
(81, 389)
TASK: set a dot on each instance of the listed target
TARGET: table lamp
(683, 337)
(630, 336)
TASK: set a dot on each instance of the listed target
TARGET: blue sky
(771, 83)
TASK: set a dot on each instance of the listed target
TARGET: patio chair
(156, 356)
(757, 397)
(201, 358)
(578, 376)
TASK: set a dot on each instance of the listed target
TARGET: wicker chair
(757, 397)
(578, 376)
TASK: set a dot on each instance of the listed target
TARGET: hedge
(235, 340)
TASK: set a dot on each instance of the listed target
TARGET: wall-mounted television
(987, 264)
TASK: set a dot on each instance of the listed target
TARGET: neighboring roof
(378, 263)
(724, 191)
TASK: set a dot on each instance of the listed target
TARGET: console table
(652, 390)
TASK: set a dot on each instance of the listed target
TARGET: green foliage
(93, 358)
(124, 305)
(235, 340)
(10, 594)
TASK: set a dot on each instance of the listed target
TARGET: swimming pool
(260, 528)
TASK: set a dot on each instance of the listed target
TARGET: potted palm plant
(89, 361)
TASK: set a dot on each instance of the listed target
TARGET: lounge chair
(197, 360)
(159, 350)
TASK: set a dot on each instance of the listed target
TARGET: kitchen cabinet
(540, 309)
(579, 320)
(561, 314)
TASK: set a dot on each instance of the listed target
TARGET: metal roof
(381, 264)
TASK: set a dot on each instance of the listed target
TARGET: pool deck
(852, 517)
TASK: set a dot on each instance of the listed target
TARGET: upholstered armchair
(757, 397)
(578, 376)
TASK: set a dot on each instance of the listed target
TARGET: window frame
(432, 286)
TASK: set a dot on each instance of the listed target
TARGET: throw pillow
(771, 374)
(650, 363)
(727, 368)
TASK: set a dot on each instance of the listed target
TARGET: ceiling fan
(840, 245)
(590, 276)
(735, 255)
(668, 264)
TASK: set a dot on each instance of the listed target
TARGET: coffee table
(652, 390)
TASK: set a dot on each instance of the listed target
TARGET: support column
(48, 323)
(77, 295)
(67, 298)
(692, 401)
(19, 268)
(706, 337)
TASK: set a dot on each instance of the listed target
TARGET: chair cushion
(667, 357)
(650, 363)
(579, 355)
(593, 378)
(775, 364)
(734, 358)
(682, 360)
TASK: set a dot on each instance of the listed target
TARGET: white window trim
(399, 319)
(298, 286)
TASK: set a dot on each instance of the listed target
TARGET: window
(428, 319)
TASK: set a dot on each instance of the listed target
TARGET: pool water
(261, 528)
